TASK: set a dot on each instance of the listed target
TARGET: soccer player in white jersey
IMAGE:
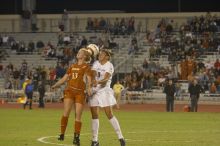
(103, 96)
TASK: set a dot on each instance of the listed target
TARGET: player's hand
(89, 92)
(94, 83)
(103, 84)
(53, 87)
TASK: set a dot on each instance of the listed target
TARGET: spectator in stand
(123, 26)
(201, 65)
(36, 78)
(127, 81)
(112, 43)
(90, 24)
(194, 90)
(209, 65)
(169, 27)
(66, 39)
(95, 24)
(52, 75)
(31, 46)
(10, 66)
(204, 81)
(183, 68)
(16, 75)
(213, 88)
(41, 91)
(100, 43)
(24, 67)
(152, 51)
(178, 91)
(51, 52)
(151, 80)
(116, 26)
(59, 54)
(191, 78)
(131, 23)
(15, 46)
(8, 84)
(5, 40)
(145, 64)
(84, 42)
(22, 78)
(21, 47)
(169, 90)
(217, 71)
(145, 81)
(190, 66)
(39, 45)
(135, 85)
(60, 71)
(217, 64)
(102, 24)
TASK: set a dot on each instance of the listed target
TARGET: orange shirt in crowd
(213, 88)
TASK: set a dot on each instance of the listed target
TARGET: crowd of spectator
(120, 26)
(183, 45)
(15, 75)
(194, 38)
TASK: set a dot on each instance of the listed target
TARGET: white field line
(45, 138)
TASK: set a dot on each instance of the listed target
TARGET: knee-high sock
(77, 126)
(95, 129)
(116, 126)
(64, 121)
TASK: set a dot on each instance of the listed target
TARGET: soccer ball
(93, 49)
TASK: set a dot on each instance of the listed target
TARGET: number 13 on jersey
(74, 75)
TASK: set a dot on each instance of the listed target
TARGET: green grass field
(23, 127)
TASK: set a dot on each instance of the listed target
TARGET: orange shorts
(77, 95)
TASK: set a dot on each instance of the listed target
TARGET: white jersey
(103, 96)
(101, 70)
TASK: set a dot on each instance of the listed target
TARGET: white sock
(95, 129)
(116, 126)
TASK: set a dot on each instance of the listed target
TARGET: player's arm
(89, 82)
(105, 79)
(60, 82)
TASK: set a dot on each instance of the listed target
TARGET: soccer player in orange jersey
(74, 92)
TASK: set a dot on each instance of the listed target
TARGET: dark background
(57, 6)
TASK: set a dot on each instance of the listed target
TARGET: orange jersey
(76, 76)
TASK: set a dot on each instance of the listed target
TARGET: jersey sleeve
(68, 72)
(109, 68)
(95, 65)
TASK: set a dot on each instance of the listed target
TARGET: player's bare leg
(95, 126)
(68, 103)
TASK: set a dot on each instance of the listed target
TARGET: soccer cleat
(61, 137)
(76, 140)
(122, 141)
(95, 143)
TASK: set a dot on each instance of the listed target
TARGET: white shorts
(103, 98)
